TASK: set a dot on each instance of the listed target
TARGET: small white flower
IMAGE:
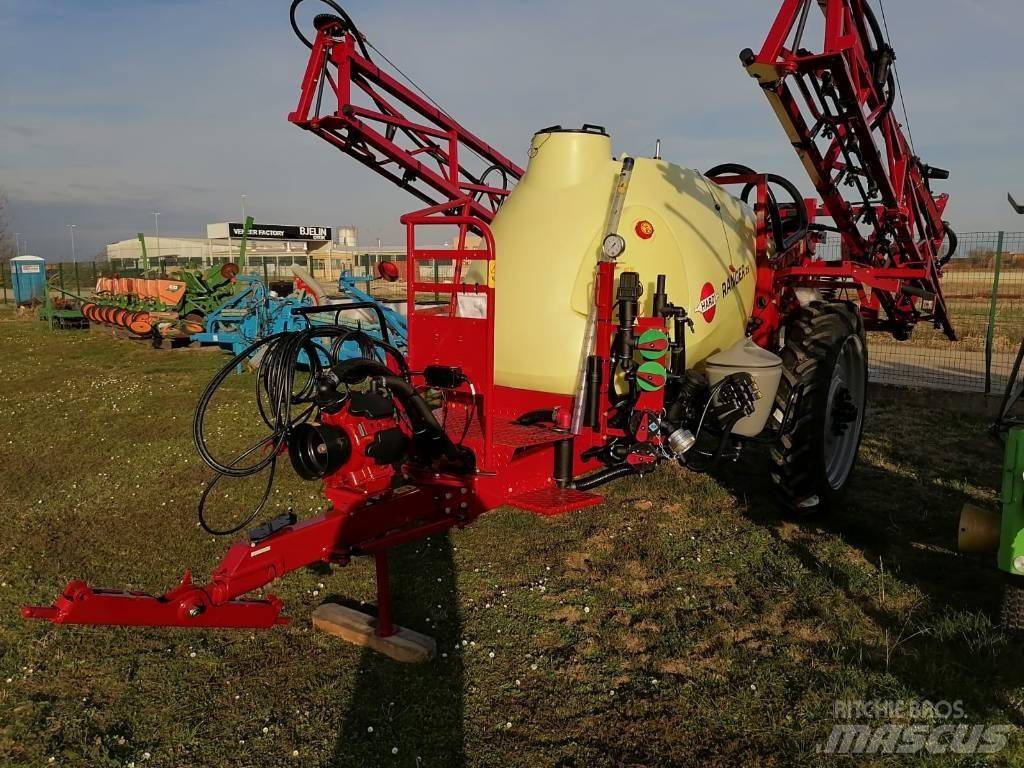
(369, 729)
(192, 655)
(508, 725)
(394, 750)
(146, 755)
(533, 667)
(295, 753)
(518, 682)
(490, 655)
(266, 729)
(586, 609)
(753, 687)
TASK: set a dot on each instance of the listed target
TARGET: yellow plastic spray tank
(548, 236)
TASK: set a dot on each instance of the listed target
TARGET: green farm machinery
(161, 308)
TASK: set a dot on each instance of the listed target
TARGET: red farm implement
(705, 343)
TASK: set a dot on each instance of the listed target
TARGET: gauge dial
(613, 246)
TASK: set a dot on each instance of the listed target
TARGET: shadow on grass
(901, 514)
(414, 708)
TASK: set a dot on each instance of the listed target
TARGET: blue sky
(111, 109)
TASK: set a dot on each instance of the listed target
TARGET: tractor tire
(1012, 606)
(824, 358)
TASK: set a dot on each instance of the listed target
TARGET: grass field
(683, 622)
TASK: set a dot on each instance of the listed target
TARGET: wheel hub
(844, 412)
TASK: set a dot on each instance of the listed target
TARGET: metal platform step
(507, 434)
(555, 501)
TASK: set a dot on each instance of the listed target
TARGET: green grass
(683, 622)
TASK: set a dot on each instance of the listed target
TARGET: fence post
(990, 334)
(3, 279)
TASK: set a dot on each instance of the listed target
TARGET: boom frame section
(836, 109)
(431, 160)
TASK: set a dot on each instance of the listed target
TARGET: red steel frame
(400, 135)
(515, 466)
(890, 241)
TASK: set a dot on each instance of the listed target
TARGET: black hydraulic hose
(880, 44)
(539, 416)
(876, 28)
(276, 399)
(416, 408)
(713, 458)
(346, 19)
(953, 244)
(782, 243)
(603, 476)
(773, 207)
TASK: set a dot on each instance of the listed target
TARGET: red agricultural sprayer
(608, 314)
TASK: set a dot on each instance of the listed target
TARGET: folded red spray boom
(836, 106)
(353, 104)
(397, 468)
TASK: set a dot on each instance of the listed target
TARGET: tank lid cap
(597, 130)
(745, 354)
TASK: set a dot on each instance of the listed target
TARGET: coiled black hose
(782, 243)
(345, 18)
(276, 399)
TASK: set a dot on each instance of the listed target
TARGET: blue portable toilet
(28, 276)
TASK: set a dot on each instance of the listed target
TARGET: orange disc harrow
(140, 324)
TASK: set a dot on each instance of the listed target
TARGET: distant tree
(8, 248)
(979, 257)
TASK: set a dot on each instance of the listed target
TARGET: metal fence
(983, 287)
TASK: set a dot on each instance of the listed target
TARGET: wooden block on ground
(359, 628)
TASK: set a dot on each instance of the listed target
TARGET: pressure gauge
(613, 246)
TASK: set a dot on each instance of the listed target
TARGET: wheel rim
(844, 416)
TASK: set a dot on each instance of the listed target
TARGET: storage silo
(347, 236)
(28, 278)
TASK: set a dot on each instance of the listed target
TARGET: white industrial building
(270, 249)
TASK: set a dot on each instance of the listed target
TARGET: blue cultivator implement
(255, 313)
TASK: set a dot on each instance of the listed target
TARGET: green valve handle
(651, 376)
(652, 344)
